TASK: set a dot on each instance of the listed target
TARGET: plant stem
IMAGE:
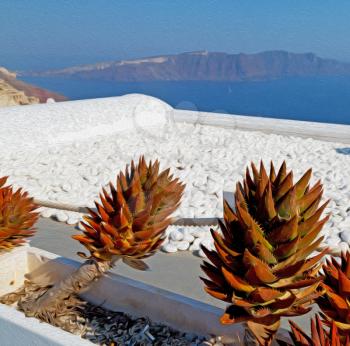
(78, 281)
(262, 331)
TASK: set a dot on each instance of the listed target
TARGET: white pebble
(56, 188)
(337, 219)
(345, 236)
(72, 220)
(195, 246)
(333, 242)
(61, 216)
(188, 237)
(344, 246)
(46, 213)
(343, 214)
(207, 243)
(176, 235)
(170, 248)
(183, 245)
(198, 233)
(346, 222)
(66, 187)
(207, 236)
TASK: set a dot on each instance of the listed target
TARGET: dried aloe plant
(335, 303)
(129, 224)
(17, 216)
(261, 265)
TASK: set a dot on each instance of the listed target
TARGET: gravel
(208, 159)
(105, 327)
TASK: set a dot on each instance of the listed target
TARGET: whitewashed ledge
(16, 330)
(306, 129)
(25, 127)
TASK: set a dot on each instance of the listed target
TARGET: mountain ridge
(204, 65)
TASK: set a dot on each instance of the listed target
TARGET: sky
(43, 34)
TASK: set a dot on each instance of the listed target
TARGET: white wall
(18, 330)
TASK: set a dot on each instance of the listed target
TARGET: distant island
(15, 92)
(205, 66)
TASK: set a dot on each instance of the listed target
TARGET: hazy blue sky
(37, 34)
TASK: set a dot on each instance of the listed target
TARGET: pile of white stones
(188, 238)
(209, 160)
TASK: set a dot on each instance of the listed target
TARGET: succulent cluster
(261, 264)
(17, 216)
(132, 218)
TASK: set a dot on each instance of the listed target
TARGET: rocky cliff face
(15, 92)
(208, 66)
(9, 96)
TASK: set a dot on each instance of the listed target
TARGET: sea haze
(321, 99)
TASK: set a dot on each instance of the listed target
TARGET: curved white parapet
(70, 121)
(51, 123)
(307, 129)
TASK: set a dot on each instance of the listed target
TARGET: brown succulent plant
(128, 224)
(335, 303)
(261, 264)
(320, 335)
(132, 218)
(17, 216)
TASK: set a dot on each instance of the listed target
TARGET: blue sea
(321, 99)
